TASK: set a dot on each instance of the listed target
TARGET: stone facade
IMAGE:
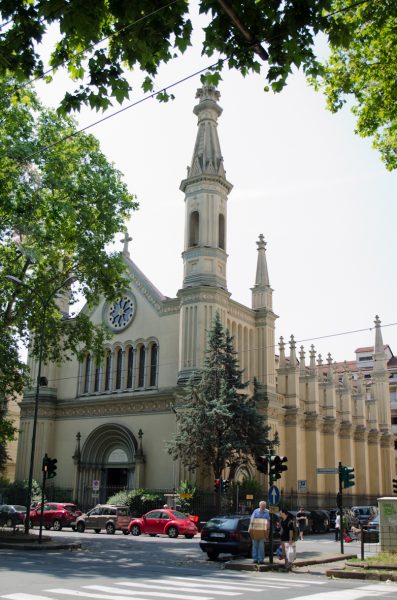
(109, 423)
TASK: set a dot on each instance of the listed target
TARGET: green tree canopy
(219, 424)
(61, 204)
(362, 68)
(99, 41)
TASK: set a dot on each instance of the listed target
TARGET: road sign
(249, 497)
(95, 485)
(302, 485)
(274, 494)
(327, 470)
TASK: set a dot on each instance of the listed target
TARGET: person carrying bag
(288, 538)
(259, 531)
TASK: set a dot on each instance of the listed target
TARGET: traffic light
(262, 464)
(346, 475)
(277, 466)
(49, 466)
(216, 485)
(52, 467)
(394, 486)
(225, 485)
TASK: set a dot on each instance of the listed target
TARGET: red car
(163, 521)
(55, 515)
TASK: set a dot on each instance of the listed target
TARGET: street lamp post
(45, 301)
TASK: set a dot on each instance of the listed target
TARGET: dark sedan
(229, 535)
(12, 515)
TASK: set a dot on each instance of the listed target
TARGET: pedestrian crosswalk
(221, 587)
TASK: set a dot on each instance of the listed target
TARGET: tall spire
(207, 157)
(262, 276)
(206, 193)
(261, 292)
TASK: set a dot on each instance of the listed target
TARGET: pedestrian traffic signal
(394, 486)
(225, 485)
(262, 464)
(277, 466)
(49, 466)
(346, 475)
(216, 485)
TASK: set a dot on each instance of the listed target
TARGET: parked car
(228, 534)
(12, 515)
(104, 516)
(164, 522)
(55, 515)
(319, 521)
(362, 514)
(371, 531)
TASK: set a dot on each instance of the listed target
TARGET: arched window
(153, 365)
(141, 371)
(130, 367)
(194, 229)
(221, 231)
(119, 365)
(97, 380)
(87, 374)
(108, 366)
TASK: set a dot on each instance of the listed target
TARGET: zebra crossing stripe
(22, 596)
(205, 583)
(223, 590)
(159, 587)
(127, 596)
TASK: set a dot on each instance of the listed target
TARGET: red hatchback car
(163, 521)
(55, 515)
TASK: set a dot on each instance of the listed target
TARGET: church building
(108, 424)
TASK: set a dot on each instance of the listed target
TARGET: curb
(247, 566)
(46, 545)
(361, 575)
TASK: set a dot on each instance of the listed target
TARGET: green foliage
(139, 501)
(186, 487)
(143, 35)
(247, 486)
(219, 425)
(16, 492)
(362, 70)
(61, 204)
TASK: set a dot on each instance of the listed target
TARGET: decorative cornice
(111, 405)
(360, 434)
(328, 425)
(311, 421)
(373, 437)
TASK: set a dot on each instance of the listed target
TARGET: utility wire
(126, 27)
(91, 46)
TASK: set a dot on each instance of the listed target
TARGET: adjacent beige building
(107, 424)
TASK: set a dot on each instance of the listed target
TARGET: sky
(318, 192)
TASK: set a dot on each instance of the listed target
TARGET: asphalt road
(118, 567)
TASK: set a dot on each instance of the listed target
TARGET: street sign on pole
(274, 494)
(302, 485)
(327, 470)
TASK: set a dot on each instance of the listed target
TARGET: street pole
(35, 415)
(340, 496)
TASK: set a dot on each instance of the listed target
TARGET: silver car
(104, 516)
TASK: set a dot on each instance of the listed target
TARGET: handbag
(290, 552)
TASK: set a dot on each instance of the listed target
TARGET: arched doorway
(107, 462)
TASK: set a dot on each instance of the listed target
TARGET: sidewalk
(304, 559)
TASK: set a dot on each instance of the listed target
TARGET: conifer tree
(218, 423)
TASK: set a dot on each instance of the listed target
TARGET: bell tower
(204, 289)
(206, 190)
